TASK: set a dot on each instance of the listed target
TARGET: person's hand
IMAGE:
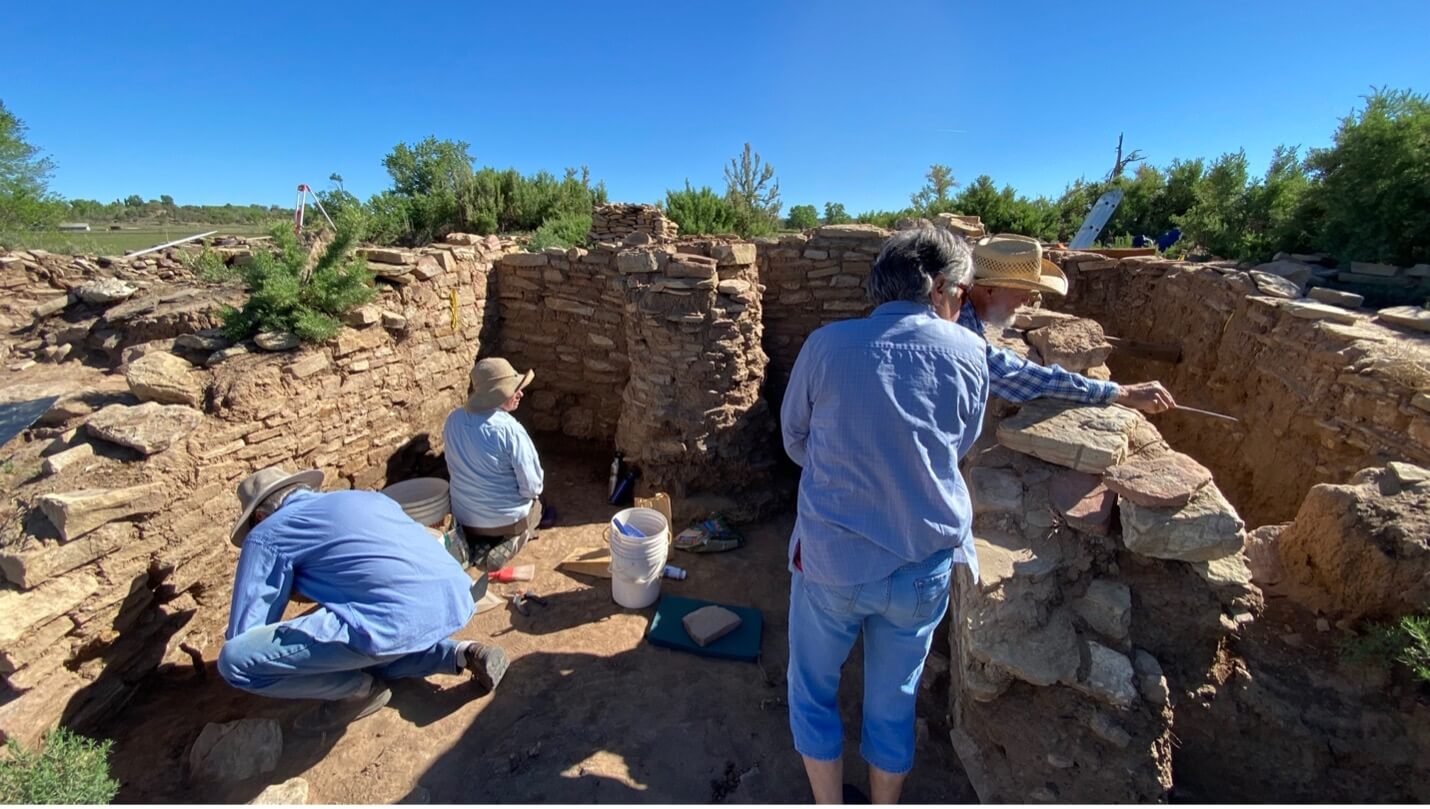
(1149, 397)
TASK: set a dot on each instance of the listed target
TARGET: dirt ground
(588, 712)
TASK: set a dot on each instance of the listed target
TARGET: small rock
(1085, 503)
(51, 306)
(1059, 761)
(1275, 285)
(995, 490)
(1109, 676)
(394, 321)
(1319, 311)
(1293, 640)
(293, 792)
(206, 340)
(364, 315)
(1075, 344)
(235, 751)
(1109, 731)
(1322, 625)
(1408, 475)
(225, 354)
(276, 340)
(105, 291)
(637, 238)
(1227, 572)
(60, 461)
(1335, 297)
(710, 623)
(1107, 608)
(1042, 795)
(165, 378)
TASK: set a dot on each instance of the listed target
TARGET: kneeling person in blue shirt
(389, 596)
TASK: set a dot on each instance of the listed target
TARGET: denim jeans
(897, 615)
(281, 660)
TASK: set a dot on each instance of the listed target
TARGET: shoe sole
(491, 670)
(302, 726)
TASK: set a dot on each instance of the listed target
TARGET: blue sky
(850, 101)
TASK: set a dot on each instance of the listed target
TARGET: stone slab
(150, 427)
(1335, 297)
(165, 378)
(710, 623)
(1318, 311)
(1410, 317)
(1166, 480)
(1206, 528)
(22, 609)
(79, 512)
(1083, 500)
(1275, 285)
(236, 751)
(1085, 438)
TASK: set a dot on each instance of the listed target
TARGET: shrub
(834, 214)
(700, 211)
(1406, 642)
(70, 769)
(562, 231)
(286, 295)
(209, 266)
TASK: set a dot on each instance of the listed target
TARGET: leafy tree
(69, 769)
(134, 201)
(336, 179)
(700, 211)
(1274, 208)
(834, 214)
(289, 291)
(25, 198)
(1217, 220)
(802, 217)
(936, 195)
(1371, 188)
(166, 200)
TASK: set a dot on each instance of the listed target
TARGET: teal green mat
(668, 630)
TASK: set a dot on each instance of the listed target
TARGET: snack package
(711, 535)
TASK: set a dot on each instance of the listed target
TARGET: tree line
(1364, 197)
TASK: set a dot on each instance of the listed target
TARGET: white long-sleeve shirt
(494, 468)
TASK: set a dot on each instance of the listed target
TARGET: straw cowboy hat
(1007, 260)
(493, 382)
(259, 485)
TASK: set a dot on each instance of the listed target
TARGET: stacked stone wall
(115, 544)
(617, 222)
(1321, 392)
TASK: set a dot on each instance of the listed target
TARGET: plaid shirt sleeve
(1016, 379)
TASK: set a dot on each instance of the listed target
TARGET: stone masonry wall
(116, 552)
(562, 314)
(617, 221)
(1321, 392)
(694, 418)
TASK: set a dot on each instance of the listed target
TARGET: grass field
(116, 242)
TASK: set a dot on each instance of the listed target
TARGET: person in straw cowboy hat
(495, 472)
(388, 597)
(1007, 271)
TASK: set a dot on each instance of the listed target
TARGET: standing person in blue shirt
(495, 473)
(1007, 270)
(388, 594)
(878, 412)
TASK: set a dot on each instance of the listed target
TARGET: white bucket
(636, 564)
(425, 500)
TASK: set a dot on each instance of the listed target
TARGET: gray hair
(906, 267)
(273, 502)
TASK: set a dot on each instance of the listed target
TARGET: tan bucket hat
(1009, 260)
(493, 382)
(259, 485)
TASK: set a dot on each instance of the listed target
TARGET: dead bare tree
(1134, 156)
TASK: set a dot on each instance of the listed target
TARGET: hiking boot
(486, 663)
(339, 713)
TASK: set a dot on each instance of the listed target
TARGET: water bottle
(673, 572)
(616, 464)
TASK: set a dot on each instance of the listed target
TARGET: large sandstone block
(32, 561)
(1206, 528)
(1410, 317)
(1073, 344)
(1160, 480)
(1363, 549)
(149, 427)
(235, 751)
(165, 378)
(77, 513)
(1085, 438)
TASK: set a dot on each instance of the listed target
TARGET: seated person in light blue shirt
(495, 473)
(389, 597)
(878, 412)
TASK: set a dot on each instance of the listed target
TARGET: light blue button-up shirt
(387, 586)
(878, 412)
(493, 466)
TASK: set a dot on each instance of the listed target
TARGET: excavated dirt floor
(588, 713)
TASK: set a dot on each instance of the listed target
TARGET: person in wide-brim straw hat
(1008, 270)
(494, 383)
(389, 598)
(496, 475)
